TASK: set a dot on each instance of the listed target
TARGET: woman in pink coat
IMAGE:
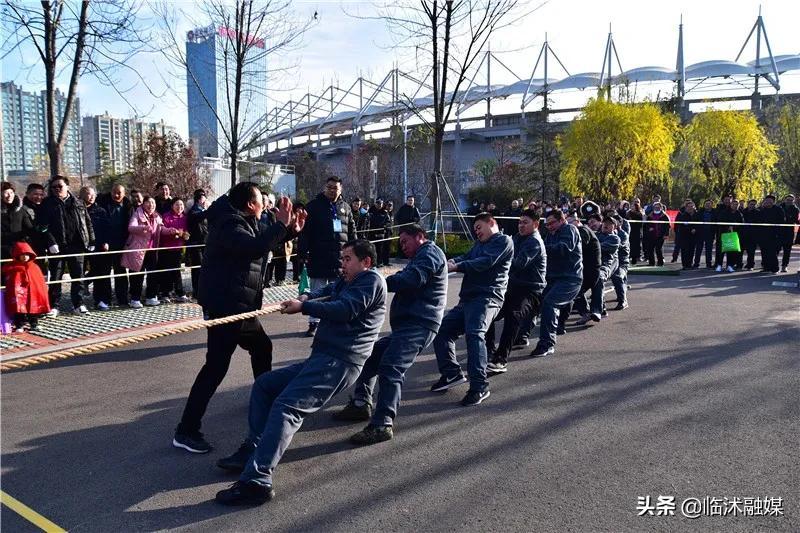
(170, 259)
(145, 231)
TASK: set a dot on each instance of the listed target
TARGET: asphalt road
(692, 392)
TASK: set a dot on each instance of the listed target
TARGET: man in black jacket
(119, 209)
(749, 234)
(70, 228)
(231, 282)
(39, 239)
(378, 222)
(786, 234)
(198, 231)
(705, 234)
(768, 242)
(99, 263)
(330, 224)
(16, 222)
(511, 222)
(685, 234)
(408, 213)
(163, 198)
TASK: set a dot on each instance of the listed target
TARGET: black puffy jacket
(56, 212)
(379, 222)
(198, 224)
(318, 243)
(16, 226)
(232, 275)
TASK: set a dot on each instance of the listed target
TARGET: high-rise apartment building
(24, 131)
(208, 84)
(110, 143)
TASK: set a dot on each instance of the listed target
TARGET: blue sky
(339, 47)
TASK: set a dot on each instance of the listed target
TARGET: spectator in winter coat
(70, 228)
(769, 235)
(655, 231)
(706, 234)
(379, 222)
(649, 207)
(786, 234)
(408, 213)
(119, 209)
(687, 233)
(170, 260)
(16, 224)
(145, 231)
(297, 263)
(198, 231)
(732, 214)
(163, 198)
(511, 223)
(39, 241)
(636, 216)
(99, 263)
(26, 291)
(330, 224)
(749, 234)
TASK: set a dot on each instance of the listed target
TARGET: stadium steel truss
(316, 119)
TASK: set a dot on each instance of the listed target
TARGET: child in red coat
(26, 291)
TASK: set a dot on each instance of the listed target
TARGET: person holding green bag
(728, 239)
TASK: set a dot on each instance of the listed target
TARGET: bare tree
(246, 34)
(453, 34)
(97, 38)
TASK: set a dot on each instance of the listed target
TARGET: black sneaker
(595, 317)
(372, 435)
(497, 367)
(312, 329)
(561, 331)
(353, 413)
(444, 383)
(245, 493)
(474, 397)
(621, 306)
(520, 343)
(194, 442)
(237, 461)
(543, 351)
(585, 319)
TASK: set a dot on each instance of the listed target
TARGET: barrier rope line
(105, 252)
(673, 222)
(144, 272)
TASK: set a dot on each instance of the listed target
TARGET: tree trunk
(234, 156)
(438, 141)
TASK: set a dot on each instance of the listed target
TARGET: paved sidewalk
(69, 330)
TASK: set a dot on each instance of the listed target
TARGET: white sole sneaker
(449, 384)
(183, 446)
